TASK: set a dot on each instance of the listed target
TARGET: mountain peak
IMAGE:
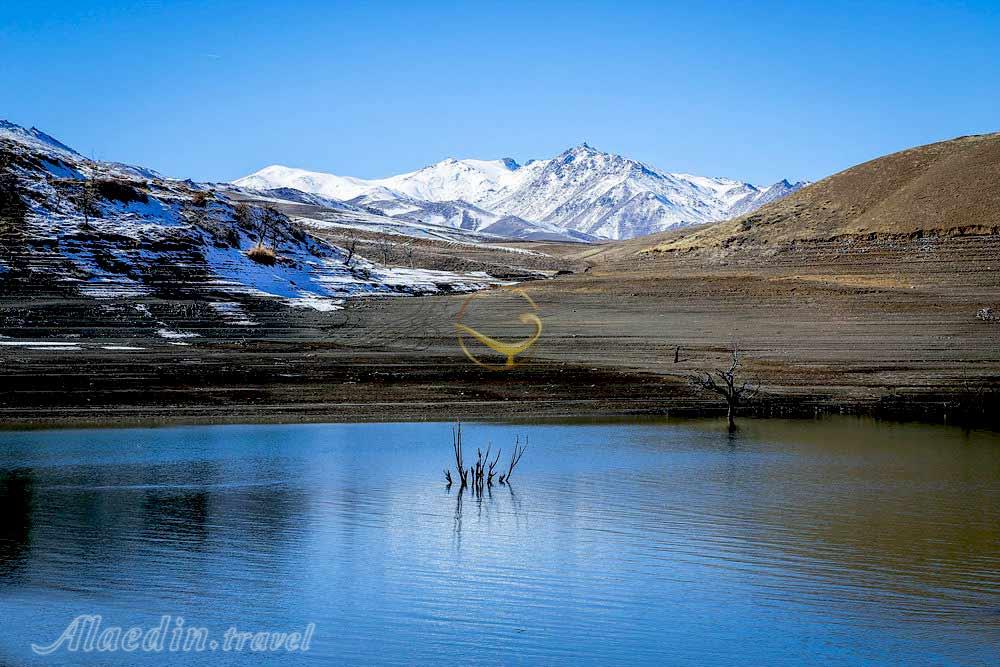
(581, 190)
(273, 168)
(580, 151)
(32, 136)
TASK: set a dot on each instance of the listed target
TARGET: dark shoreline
(928, 409)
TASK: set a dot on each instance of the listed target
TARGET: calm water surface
(643, 543)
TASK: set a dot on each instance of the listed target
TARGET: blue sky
(754, 90)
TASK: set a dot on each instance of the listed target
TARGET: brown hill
(951, 188)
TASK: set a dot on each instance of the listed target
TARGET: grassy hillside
(951, 188)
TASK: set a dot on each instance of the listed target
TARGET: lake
(841, 540)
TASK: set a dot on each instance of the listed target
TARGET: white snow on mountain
(468, 180)
(326, 185)
(35, 139)
(113, 231)
(450, 180)
(755, 200)
(441, 194)
(581, 193)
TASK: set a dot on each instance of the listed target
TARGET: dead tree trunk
(87, 201)
(350, 246)
(514, 460)
(728, 384)
(463, 474)
(385, 249)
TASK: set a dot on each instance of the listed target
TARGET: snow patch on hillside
(113, 231)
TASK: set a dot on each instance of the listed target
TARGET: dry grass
(945, 189)
(262, 255)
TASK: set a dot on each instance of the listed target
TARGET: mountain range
(110, 231)
(582, 193)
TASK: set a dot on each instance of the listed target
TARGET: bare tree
(514, 459)
(456, 444)
(264, 222)
(385, 249)
(480, 474)
(243, 215)
(268, 225)
(492, 468)
(729, 384)
(86, 200)
(351, 246)
(407, 250)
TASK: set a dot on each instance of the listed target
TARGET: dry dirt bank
(863, 326)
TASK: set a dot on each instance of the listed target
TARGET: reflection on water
(845, 540)
(492, 504)
(15, 521)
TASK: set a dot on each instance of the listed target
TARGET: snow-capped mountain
(325, 185)
(614, 197)
(106, 231)
(582, 191)
(445, 193)
(755, 200)
(449, 180)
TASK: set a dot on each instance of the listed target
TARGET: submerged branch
(484, 470)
